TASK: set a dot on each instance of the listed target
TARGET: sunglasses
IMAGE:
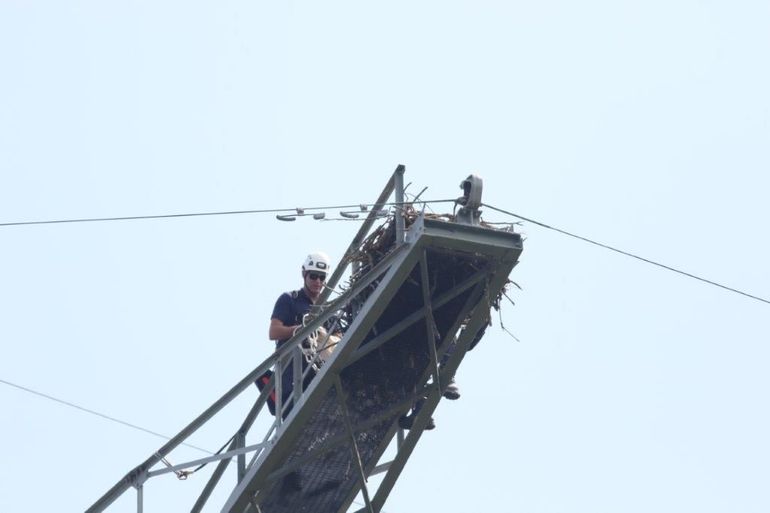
(317, 276)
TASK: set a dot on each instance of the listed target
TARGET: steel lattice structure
(411, 314)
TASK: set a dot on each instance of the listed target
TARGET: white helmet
(317, 261)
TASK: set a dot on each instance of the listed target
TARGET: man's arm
(279, 331)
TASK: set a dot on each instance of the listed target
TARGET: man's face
(314, 281)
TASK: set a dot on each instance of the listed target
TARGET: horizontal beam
(461, 237)
(201, 461)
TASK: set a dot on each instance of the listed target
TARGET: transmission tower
(419, 297)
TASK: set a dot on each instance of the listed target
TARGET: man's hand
(279, 331)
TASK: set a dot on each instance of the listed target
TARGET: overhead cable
(92, 412)
(294, 212)
(626, 253)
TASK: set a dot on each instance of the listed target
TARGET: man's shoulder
(290, 295)
(285, 305)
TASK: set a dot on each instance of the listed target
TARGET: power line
(92, 412)
(626, 253)
(363, 210)
(296, 211)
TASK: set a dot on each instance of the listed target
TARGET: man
(292, 306)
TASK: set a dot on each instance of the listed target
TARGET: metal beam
(431, 332)
(399, 216)
(200, 461)
(361, 235)
(353, 444)
(460, 237)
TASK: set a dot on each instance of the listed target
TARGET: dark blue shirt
(290, 308)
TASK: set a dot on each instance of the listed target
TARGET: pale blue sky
(645, 125)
